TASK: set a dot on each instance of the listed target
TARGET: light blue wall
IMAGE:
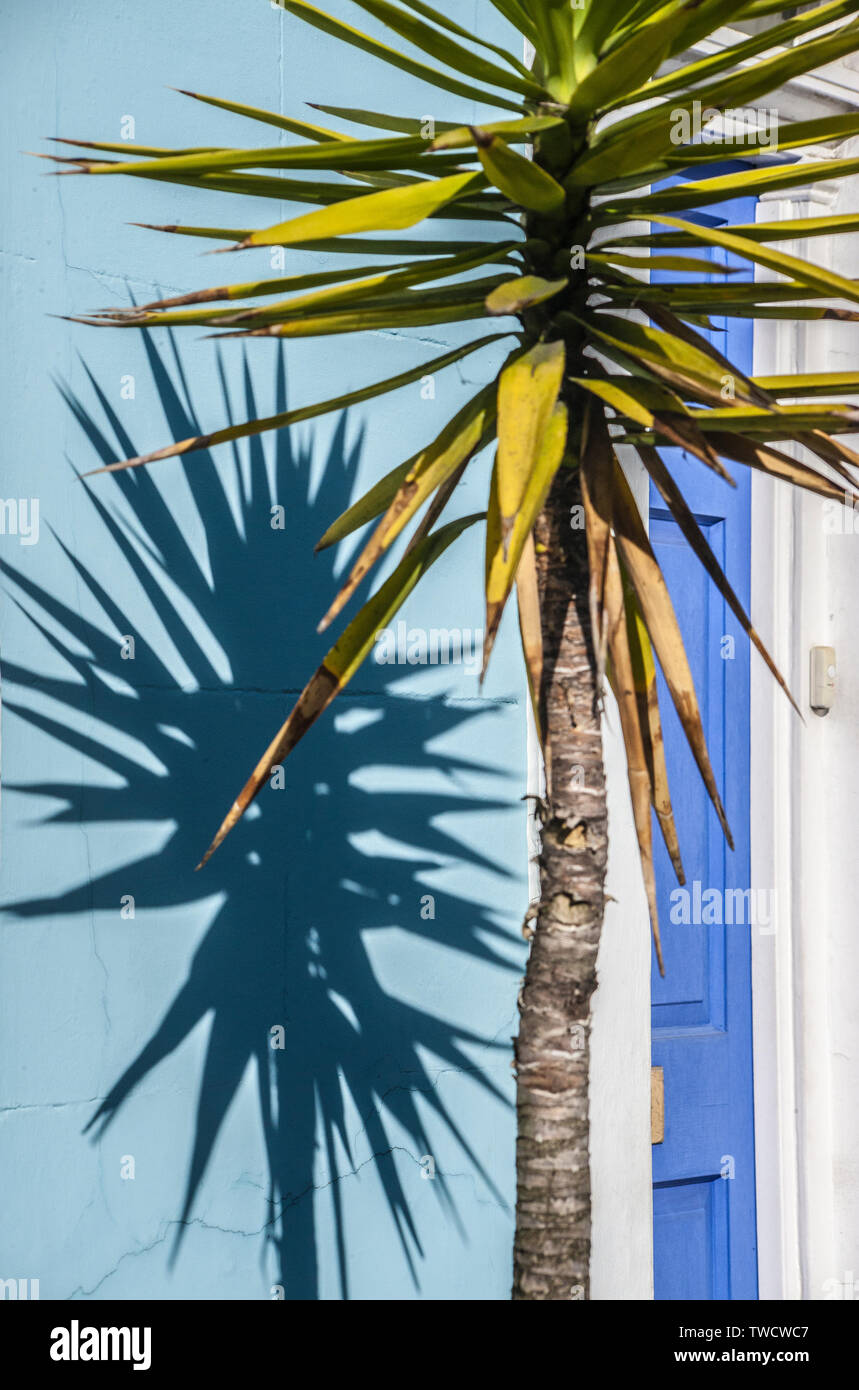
(253, 1167)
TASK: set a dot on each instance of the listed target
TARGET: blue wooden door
(704, 1170)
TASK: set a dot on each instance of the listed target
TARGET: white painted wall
(805, 586)
(621, 1181)
(837, 826)
(621, 1176)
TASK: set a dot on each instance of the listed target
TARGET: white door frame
(791, 985)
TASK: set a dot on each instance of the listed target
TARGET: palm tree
(610, 113)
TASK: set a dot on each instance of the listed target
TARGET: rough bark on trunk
(552, 1246)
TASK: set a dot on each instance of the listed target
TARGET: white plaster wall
(621, 1176)
(622, 1197)
(832, 825)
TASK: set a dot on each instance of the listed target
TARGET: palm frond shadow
(317, 864)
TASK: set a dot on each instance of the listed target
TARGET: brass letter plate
(657, 1105)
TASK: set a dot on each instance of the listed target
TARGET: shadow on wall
(306, 872)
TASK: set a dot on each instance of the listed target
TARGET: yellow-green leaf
(523, 292)
(461, 437)
(389, 211)
(810, 384)
(306, 412)
(513, 131)
(652, 592)
(638, 773)
(447, 51)
(256, 113)
(340, 665)
(630, 63)
(647, 693)
(685, 518)
(505, 535)
(523, 181)
(436, 78)
(528, 390)
(445, 22)
(530, 627)
(804, 271)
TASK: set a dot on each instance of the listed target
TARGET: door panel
(690, 1224)
(703, 1172)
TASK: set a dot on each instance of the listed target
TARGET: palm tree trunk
(552, 1247)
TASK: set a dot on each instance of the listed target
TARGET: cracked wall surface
(154, 1143)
